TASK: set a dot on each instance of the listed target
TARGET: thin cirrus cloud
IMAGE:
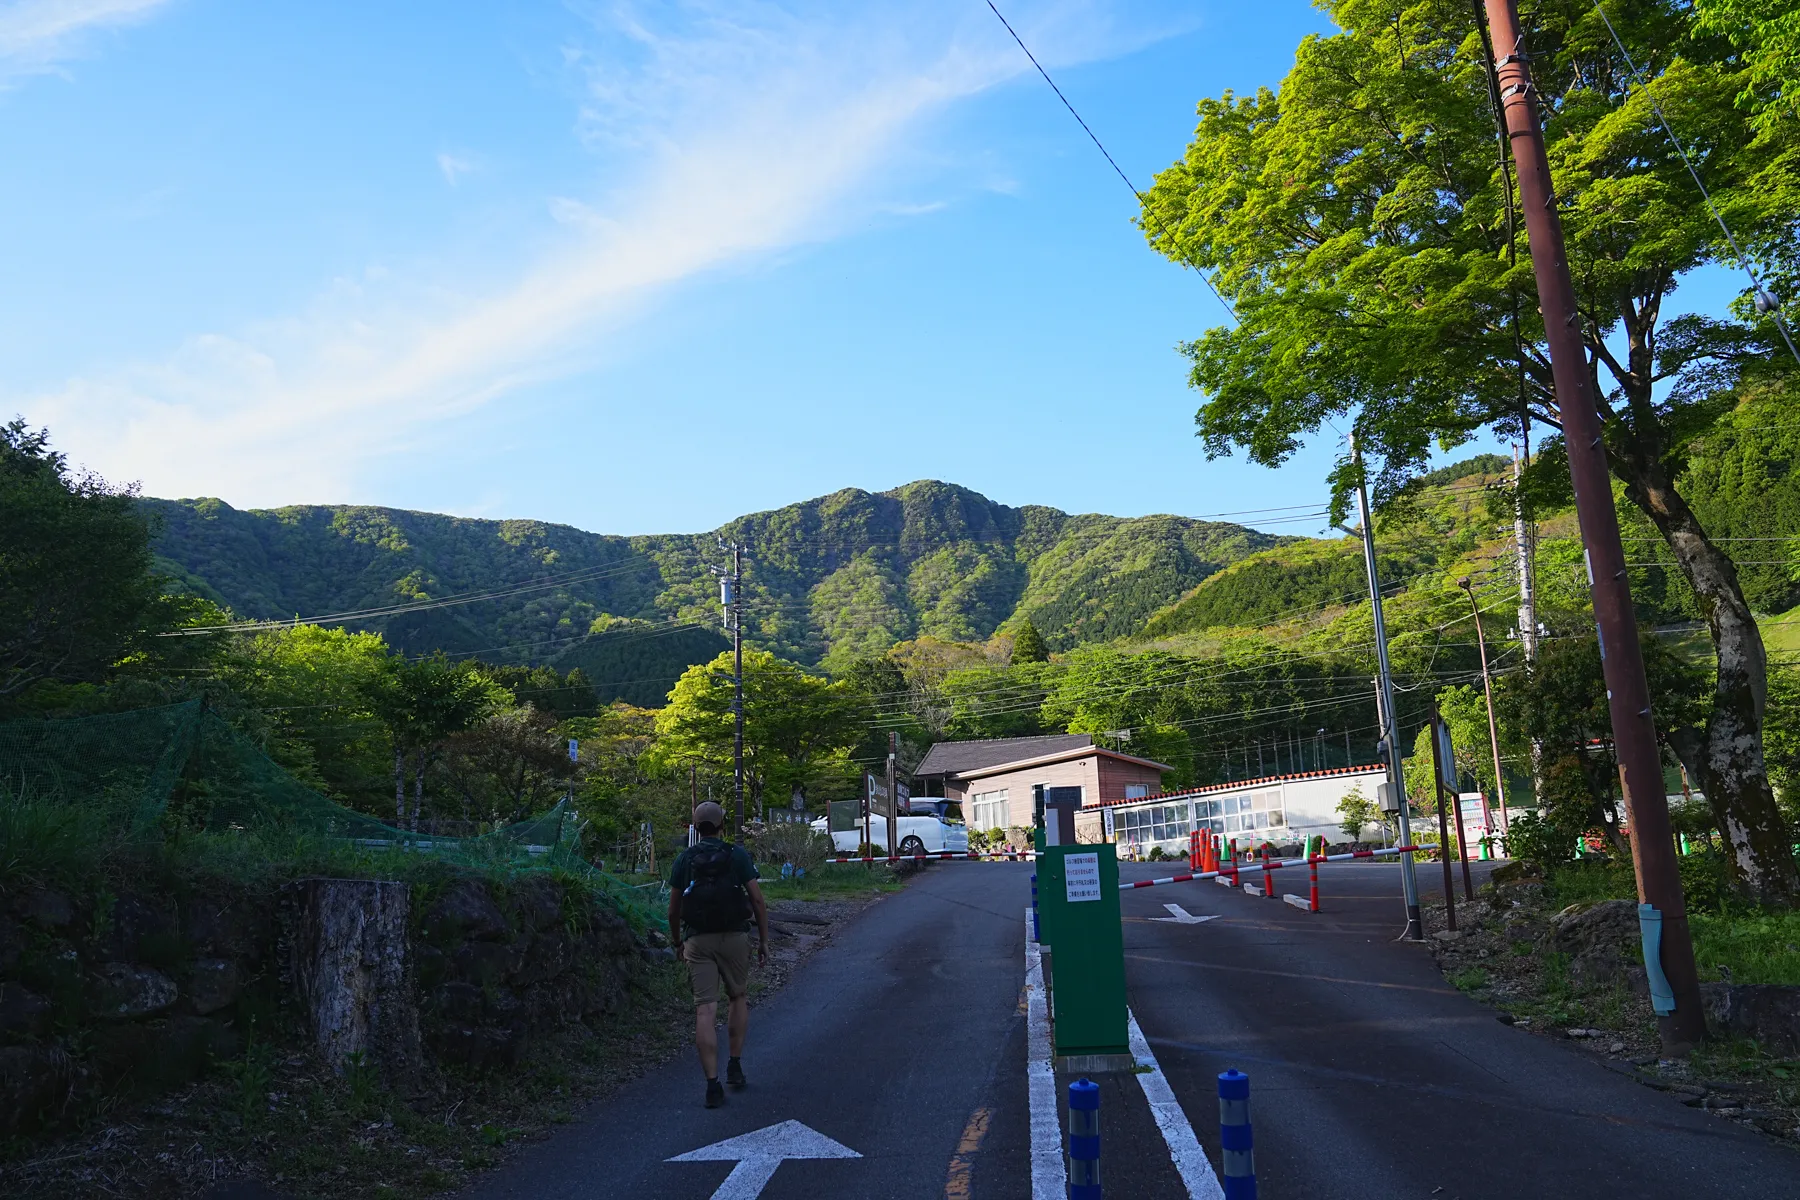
(748, 130)
(35, 35)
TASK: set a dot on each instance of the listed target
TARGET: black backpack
(712, 903)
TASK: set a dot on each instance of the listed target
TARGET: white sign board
(1081, 877)
(1106, 818)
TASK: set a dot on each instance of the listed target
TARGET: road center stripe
(1048, 1180)
(962, 1164)
(1190, 1160)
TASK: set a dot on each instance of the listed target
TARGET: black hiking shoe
(734, 1075)
(715, 1093)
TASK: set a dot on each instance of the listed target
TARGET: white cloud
(37, 34)
(748, 129)
(454, 166)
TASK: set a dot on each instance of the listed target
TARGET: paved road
(1370, 1077)
(905, 1041)
(889, 1041)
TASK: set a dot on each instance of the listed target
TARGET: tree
(422, 703)
(1767, 32)
(509, 766)
(797, 727)
(1561, 705)
(542, 688)
(1028, 644)
(1357, 812)
(77, 592)
(621, 783)
(1358, 221)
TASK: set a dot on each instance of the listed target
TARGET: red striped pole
(1313, 862)
(1268, 877)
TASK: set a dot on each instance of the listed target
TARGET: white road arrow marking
(1181, 916)
(758, 1154)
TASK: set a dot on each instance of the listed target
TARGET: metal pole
(1628, 691)
(893, 796)
(1437, 784)
(737, 703)
(1523, 547)
(1487, 686)
(1409, 884)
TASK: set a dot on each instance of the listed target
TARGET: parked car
(918, 835)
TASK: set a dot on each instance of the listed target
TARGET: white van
(918, 835)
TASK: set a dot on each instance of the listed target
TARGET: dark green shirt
(743, 870)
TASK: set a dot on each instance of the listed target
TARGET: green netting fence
(183, 763)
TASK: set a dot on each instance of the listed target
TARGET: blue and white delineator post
(1238, 1159)
(1084, 1140)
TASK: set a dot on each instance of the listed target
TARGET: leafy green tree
(422, 704)
(797, 727)
(544, 689)
(1028, 644)
(77, 593)
(509, 766)
(318, 694)
(1357, 812)
(1561, 705)
(622, 784)
(1358, 222)
(1767, 32)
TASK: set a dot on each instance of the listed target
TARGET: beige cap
(709, 813)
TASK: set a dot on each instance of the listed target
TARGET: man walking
(713, 894)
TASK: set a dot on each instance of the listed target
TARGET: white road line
(1190, 1160)
(1048, 1178)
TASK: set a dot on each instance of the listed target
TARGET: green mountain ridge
(826, 580)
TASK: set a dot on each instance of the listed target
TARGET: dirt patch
(1574, 975)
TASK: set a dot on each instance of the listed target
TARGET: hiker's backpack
(712, 902)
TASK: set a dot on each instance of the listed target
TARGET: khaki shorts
(715, 958)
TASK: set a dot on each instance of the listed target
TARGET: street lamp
(1487, 686)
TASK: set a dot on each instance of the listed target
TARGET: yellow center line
(962, 1163)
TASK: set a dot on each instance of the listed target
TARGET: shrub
(1533, 838)
(797, 844)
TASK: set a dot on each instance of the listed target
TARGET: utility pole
(1487, 687)
(731, 597)
(1524, 544)
(893, 795)
(1683, 1024)
(1384, 703)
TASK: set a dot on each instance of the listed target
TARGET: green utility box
(1078, 920)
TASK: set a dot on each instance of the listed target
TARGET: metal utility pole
(1487, 686)
(893, 796)
(1390, 719)
(1437, 786)
(1628, 692)
(731, 596)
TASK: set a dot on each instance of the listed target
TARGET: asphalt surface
(1371, 1077)
(905, 1041)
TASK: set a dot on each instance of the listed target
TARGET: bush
(1704, 882)
(1537, 840)
(1156, 854)
(797, 844)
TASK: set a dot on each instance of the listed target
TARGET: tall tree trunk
(399, 787)
(418, 789)
(1729, 761)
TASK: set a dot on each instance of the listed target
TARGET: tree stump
(349, 966)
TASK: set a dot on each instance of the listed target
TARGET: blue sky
(637, 268)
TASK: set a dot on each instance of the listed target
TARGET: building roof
(1239, 784)
(969, 760)
(956, 758)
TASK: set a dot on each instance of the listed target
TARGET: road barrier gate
(1079, 924)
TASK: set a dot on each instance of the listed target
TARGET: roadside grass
(1732, 941)
(831, 881)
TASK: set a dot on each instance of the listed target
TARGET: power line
(1139, 196)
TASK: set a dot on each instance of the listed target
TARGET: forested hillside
(826, 580)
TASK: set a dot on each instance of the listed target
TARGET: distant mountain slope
(830, 578)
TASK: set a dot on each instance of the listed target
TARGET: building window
(988, 810)
(1153, 823)
(1136, 791)
(1243, 813)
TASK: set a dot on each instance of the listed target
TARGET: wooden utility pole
(737, 680)
(1437, 789)
(1682, 1023)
